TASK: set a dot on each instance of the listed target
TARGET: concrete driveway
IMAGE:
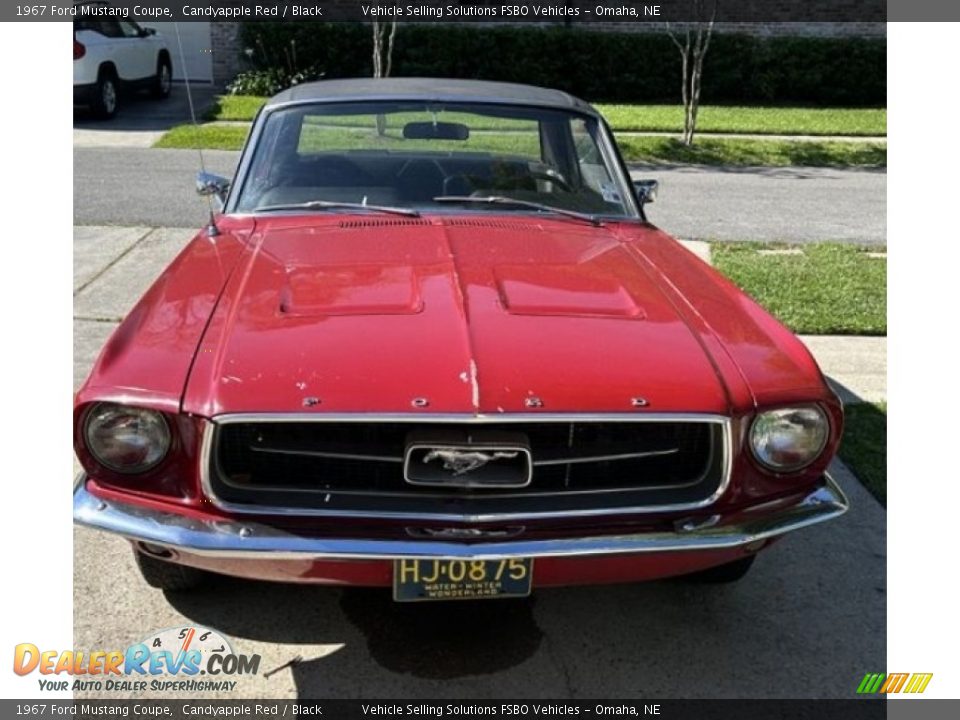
(808, 620)
(141, 119)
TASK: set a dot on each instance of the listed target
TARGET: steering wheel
(552, 176)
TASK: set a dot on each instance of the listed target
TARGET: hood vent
(490, 223)
(381, 222)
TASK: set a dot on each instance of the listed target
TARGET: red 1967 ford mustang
(430, 342)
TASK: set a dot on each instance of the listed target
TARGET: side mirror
(147, 32)
(646, 190)
(210, 184)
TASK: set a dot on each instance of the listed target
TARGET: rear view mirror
(435, 131)
(646, 190)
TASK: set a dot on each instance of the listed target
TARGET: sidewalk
(757, 136)
(856, 366)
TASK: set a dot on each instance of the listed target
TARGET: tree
(383, 56)
(693, 49)
(383, 59)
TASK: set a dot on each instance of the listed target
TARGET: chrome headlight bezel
(764, 425)
(152, 428)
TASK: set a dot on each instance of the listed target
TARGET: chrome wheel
(108, 96)
(107, 99)
(165, 79)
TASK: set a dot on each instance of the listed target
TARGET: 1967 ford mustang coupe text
(430, 342)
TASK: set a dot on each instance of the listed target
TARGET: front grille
(575, 466)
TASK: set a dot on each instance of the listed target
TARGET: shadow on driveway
(141, 113)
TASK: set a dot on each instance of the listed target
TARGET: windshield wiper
(335, 205)
(503, 200)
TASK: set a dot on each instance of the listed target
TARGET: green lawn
(749, 120)
(209, 136)
(317, 138)
(864, 446)
(655, 150)
(828, 289)
(235, 107)
(767, 153)
(669, 118)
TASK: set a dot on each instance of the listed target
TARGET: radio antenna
(212, 230)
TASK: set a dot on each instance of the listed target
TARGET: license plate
(461, 579)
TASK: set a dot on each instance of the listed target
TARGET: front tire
(168, 576)
(163, 82)
(722, 574)
(106, 95)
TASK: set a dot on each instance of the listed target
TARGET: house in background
(212, 52)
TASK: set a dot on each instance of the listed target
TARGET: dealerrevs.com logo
(176, 659)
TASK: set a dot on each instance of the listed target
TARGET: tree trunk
(377, 49)
(383, 61)
(393, 34)
(383, 58)
(693, 50)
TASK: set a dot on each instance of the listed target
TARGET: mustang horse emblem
(460, 462)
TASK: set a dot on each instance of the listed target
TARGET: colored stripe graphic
(918, 682)
(894, 683)
(870, 683)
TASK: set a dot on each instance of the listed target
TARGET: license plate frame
(436, 579)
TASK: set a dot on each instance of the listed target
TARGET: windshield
(424, 156)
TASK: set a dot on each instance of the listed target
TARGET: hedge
(599, 66)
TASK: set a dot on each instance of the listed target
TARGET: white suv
(112, 56)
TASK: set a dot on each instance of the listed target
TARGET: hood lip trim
(365, 416)
(725, 422)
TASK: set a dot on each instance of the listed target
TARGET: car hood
(473, 314)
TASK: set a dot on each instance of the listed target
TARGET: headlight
(789, 439)
(126, 439)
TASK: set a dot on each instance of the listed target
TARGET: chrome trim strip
(605, 458)
(233, 539)
(322, 454)
(470, 418)
(249, 509)
(489, 495)
(395, 459)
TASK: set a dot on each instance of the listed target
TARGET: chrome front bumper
(237, 539)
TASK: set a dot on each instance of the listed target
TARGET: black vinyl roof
(430, 90)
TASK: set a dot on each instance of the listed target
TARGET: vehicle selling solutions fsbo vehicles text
(507, 10)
